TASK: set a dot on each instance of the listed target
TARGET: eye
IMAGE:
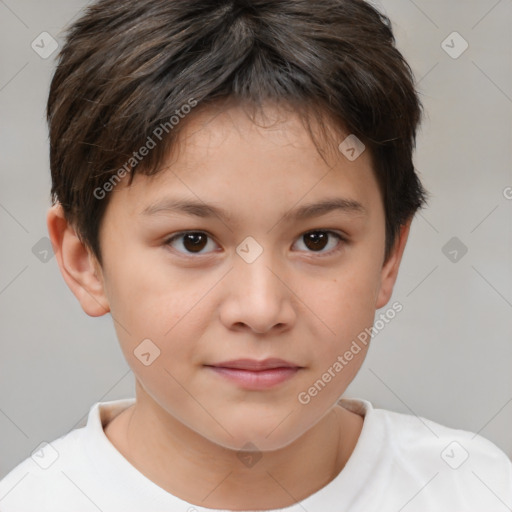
(195, 241)
(318, 239)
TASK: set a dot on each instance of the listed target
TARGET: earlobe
(77, 265)
(390, 268)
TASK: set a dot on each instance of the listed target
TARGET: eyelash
(340, 246)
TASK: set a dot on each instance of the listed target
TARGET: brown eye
(192, 241)
(317, 241)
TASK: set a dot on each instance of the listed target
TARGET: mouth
(256, 375)
(255, 365)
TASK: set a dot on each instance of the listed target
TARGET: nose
(258, 297)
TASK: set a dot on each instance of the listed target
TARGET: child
(233, 181)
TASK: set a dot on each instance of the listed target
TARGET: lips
(255, 365)
(253, 375)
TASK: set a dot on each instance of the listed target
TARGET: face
(257, 281)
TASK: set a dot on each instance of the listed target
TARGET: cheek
(346, 308)
(145, 290)
(346, 305)
(157, 304)
(347, 300)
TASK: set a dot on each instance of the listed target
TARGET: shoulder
(452, 461)
(424, 438)
(64, 474)
(46, 473)
(446, 466)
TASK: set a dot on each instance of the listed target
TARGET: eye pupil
(318, 238)
(194, 239)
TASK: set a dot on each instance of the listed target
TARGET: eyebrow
(306, 211)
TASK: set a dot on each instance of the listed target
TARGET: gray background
(446, 357)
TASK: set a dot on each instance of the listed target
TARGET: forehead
(225, 157)
(277, 123)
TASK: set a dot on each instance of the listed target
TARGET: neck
(203, 473)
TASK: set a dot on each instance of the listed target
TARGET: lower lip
(263, 379)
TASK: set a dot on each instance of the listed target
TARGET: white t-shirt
(400, 463)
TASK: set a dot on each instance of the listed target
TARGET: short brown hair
(129, 65)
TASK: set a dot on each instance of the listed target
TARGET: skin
(301, 304)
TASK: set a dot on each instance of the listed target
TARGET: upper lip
(253, 364)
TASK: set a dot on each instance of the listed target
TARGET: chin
(252, 437)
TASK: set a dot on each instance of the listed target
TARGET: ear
(390, 268)
(77, 264)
